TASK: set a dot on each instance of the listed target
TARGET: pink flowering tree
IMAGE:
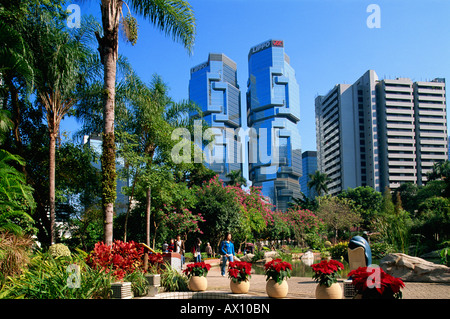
(305, 226)
(180, 221)
(255, 212)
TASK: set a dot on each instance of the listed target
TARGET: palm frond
(174, 17)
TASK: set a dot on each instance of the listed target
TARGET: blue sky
(328, 42)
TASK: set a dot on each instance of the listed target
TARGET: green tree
(174, 17)
(368, 200)
(221, 210)
(318, 182)
(236, 178)
(58, 58)
(338, 214)
(304, 202)
(394, 223)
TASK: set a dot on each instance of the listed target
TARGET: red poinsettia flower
(365, 279)
(327, 271)
(239, 271)
(277, 270)
(197, 269)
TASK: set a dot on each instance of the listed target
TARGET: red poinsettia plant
(197, 269)
(239, 271)
(374, 283)
(327, 271)
(277, 270)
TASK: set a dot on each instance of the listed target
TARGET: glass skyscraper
(213, 86)
(309, 166)
(273, 113)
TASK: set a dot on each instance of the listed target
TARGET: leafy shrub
(121, 257)
(47, 277)
(381, 249)
(139, 284)
(339, 251)
(172, 280)
(59, 250)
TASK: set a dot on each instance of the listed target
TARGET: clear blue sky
(328, 42)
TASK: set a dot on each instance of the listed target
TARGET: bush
(139, 284)
(172, 280)
(59, 250)
(339, 251)
(14, 254)
(121, 258)
(47, 277)
(381, 249)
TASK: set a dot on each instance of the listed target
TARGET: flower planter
(198, 283)
(121, 290)
(154, 282)
(239, 287)
(276, 290)
(332, 292)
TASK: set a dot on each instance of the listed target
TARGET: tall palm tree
(236, 178)
(318, 181)
(58, 58)
(175, 18)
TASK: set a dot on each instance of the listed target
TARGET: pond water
(300, 269)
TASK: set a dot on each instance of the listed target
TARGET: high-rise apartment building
(273, 113)
(346, 131)
(431, 125)
(213, 86)
(380, 133)
(309, 166)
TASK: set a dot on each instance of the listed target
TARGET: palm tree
(174, 17)
(236, 178)
(318, 181)
(153, 118)
(58, 57)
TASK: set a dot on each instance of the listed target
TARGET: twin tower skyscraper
(269, 141)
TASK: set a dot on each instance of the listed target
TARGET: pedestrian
(227, 251)
(165, 246)
(179, 248)
(208, 250)
(196, 251)
(171, 247)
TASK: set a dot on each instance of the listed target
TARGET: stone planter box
(154, 282)
(173, 259)
(121, 290)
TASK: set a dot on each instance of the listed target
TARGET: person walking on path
(208, 250)
(179, 245)
(196, 251)
(227, 251)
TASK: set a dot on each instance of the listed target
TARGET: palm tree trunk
(108, 48)
(52, 170)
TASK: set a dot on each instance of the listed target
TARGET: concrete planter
(121, 290)
(154, 282)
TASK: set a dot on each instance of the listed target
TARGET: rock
(271, 254)
(414, 269)
(264, 260)
(247, 258)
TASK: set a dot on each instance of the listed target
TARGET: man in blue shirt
(227, 251)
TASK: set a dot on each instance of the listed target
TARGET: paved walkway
(304, 288)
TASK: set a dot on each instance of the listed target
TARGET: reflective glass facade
(309, 166)
(213, 86)
(273, 113)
